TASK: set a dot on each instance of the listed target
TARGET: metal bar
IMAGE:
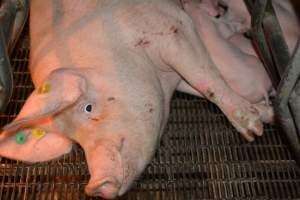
(19, 23)
(275, 39)
(273, 49)
(285, 89)
(6, 78)
(8, 12)
(258, 14)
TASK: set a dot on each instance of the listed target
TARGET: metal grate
(201, 156)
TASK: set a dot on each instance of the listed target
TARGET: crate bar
(13, 15)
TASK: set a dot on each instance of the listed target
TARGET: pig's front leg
(266, 111)
(185, 52)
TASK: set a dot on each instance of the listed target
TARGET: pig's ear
(50, 146)
(59, 91)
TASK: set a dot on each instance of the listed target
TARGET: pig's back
(81, 33)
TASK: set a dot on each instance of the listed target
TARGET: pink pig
(229, 59)
(104, 73)
(239, 20)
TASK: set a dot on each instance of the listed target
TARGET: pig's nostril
(107, 188)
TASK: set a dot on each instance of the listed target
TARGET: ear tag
(38, 133)
(21, 138)
(44, 89)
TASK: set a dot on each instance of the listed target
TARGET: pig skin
(112, 67)
(242, 70)
(238, 19)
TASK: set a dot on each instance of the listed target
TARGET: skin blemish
(94, 119)
(150, 106)
(142, 43)
(173, 29)
(111, 99)
(151, 110)
(210, 94)
(258, 126)
(122, 144)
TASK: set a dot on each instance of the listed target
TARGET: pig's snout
(106, 169)
(107, 188)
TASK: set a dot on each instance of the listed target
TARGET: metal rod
(13, 15)
(275, 39)
(258, 14)
(287, 114)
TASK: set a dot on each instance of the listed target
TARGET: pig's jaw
(112, 171)
(110, 187)
(130, 177)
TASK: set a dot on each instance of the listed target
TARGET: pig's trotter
(188, 56)
(266, 112)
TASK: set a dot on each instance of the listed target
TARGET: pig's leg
(265, 110)
(183, 86)
(185, 52)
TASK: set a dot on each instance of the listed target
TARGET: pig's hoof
(266, 113)
(247, 122)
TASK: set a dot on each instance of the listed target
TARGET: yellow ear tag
(44, 89)
(38, 133)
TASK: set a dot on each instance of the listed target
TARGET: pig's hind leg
(186, 53)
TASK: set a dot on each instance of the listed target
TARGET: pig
(243, 43)
(104, 73)
(229, 59)
(239, 20)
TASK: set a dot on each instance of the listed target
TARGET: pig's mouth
(110, 173)
(108, 188)
(112, 167)
(111, 186)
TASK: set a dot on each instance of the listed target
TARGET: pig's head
(118, 134)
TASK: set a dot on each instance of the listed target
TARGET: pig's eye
(88, 108)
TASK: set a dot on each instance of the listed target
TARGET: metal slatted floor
(201, 156)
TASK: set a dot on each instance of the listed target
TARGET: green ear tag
(44, 89)
(21, 138)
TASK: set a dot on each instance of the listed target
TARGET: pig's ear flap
(61, 90)
(50, 146)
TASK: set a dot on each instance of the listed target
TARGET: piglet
(104, 73)
(237, 17)
(244, 72)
